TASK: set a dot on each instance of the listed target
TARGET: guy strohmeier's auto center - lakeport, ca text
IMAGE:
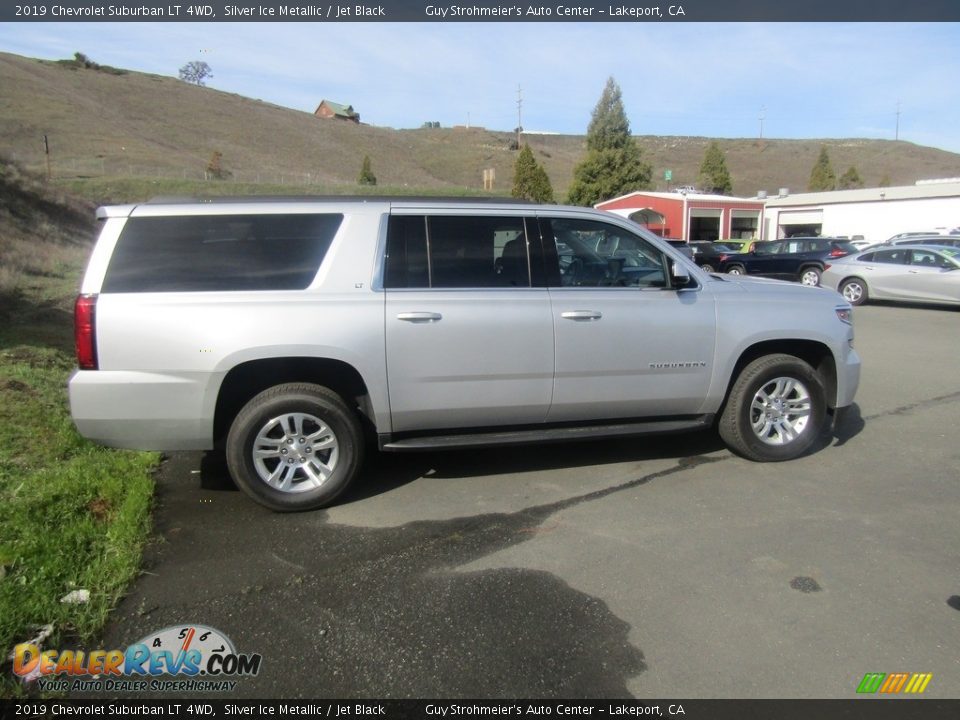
(651, 12)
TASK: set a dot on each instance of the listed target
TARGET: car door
(627, 343)
(469, 334)
(929, 276)
(882, 270)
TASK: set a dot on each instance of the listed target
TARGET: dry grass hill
(111, 124)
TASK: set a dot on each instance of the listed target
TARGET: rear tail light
(85, 331)
(826, 266)
(837, 252)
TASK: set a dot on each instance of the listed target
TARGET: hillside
(105, 124)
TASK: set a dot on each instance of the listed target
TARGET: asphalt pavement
(654, 567)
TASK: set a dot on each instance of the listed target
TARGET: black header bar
(630, 11)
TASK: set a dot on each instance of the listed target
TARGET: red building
(691, 215)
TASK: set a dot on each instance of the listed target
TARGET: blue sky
(809, 80)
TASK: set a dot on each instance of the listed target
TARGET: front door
(627, 343)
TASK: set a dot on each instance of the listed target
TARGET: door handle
(913, 272)
(419, 317)
(582, 315)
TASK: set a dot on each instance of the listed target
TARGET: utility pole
(897, 136)
(763, 110)
(519, 114)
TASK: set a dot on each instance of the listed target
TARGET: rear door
(469, 333)
(627, 344)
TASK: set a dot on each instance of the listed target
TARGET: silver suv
(292, 332)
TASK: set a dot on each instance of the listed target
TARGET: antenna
(519, 114)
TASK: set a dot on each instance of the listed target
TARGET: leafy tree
(614, 164)
(215, 167)
(196, 72)
(366, 173)
(714, 176)
(822, 176)
(851, 179)
(530, 180)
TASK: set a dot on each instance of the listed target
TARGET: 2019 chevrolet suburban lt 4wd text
(292, 332)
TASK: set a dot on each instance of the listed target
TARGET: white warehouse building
(874, 214)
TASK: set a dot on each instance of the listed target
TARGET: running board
(544, 435)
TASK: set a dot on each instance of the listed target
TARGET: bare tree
(196, 72)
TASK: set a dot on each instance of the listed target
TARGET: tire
(310, 447)
(707, 267)
(736, 270)
(775, 410)
(810, 276)
(854, 291)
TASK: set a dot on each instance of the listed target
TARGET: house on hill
(331, 110)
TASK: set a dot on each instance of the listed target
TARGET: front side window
(456, 252)
(595, 254)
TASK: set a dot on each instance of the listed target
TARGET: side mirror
(679, 277)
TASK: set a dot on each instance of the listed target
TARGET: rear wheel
(295, 446)
(854, 291)
(775, 411)
(810, 276)
(707, 267)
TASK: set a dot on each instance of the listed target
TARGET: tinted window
(219, 252)
(456, 252)
(928, 258)
(895, 257)
(594, 254)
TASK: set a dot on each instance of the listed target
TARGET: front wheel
(775, 411)
(295, 446)
(736, 270)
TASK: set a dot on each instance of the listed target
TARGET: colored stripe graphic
(913, 683)
(918, 683)
(894, 683)
(871, 682)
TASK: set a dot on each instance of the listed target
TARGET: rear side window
(456, 252)
(220, 252)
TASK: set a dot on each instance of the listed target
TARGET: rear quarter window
(219, 252)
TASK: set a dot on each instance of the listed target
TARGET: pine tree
(366, 173)
(614, 164)
(530, 180)
(714, 176)
(822, 176)
(851, 179)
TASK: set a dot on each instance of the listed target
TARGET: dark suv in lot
(797, 258)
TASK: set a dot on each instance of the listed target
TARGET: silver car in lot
(910, 273)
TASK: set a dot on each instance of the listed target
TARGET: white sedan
(911, 273)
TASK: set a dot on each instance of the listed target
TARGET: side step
(522, 436)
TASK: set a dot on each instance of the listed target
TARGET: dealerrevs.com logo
(894, 683)
(179, 658)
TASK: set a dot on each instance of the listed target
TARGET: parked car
(951, 240)
(905, 236)
(797, 258)
(681, 245)
(290, 333)
(915, 273)
(709, 255)
(739, 246)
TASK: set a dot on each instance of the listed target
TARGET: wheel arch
(814, 353)
(248, 379)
